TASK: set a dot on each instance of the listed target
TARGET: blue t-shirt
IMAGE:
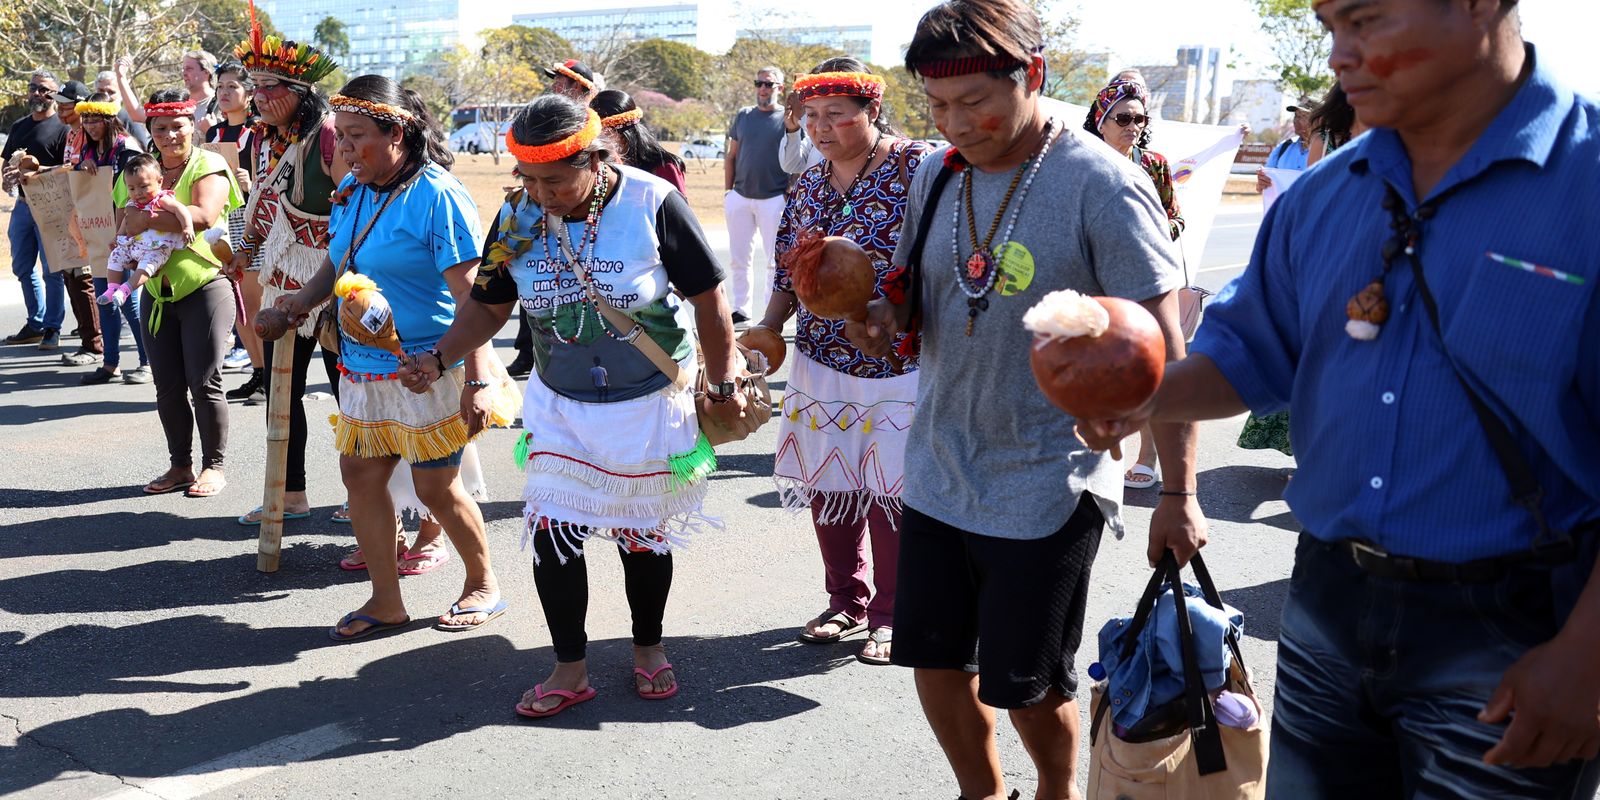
(431, 227)
(1291, 154)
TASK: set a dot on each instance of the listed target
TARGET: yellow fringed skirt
(382, 419)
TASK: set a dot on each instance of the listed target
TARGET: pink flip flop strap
(539, 693)
(651, 676)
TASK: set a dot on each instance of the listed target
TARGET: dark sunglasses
(766, 84)
(1125, 119)
(39, 88)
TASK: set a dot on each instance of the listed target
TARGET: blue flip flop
(244, 519)
(456, 611)
(373, 626)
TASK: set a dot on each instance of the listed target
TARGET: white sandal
(1143, 477)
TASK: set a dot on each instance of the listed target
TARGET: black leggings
(295, 476)
(564, 593)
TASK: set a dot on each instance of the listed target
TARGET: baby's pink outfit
(145, 252)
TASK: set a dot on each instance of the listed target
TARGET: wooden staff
(270, 542)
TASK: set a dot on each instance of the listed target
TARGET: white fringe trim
(280, 252)
(680, 518)
(603, 481)
(838, 508)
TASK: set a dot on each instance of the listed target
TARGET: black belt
(1377, 562)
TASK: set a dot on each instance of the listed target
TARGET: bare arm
(713, 318)
(727, 164)
(177, 219)
(779, 309)
(130, 103)
(1316, 151)
(459, 278)
(207, 196)
(1177, 523)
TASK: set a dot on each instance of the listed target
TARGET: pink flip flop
(568, 700)
(355, 562)
(651, 678)
(423, 563)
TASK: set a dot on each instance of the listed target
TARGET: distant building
(1189, 91)
(590, 28)
(391, 38)
(1259, 104)
(854, 40)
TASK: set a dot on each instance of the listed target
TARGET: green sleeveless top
(194, 266)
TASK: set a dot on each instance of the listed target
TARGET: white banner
(1201, 157)
(1281, 179)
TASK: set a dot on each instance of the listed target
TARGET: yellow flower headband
(97, 108)
(378, 111)
(557, 150)
(624, 119)
(834, 84)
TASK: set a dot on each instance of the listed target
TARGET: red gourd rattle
(832, 277)
(1095, 357)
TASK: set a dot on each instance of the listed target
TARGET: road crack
(24, 735)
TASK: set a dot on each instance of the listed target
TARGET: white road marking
(251, 762)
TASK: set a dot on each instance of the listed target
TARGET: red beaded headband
(181, 108)
(836, 84)
(953, 67)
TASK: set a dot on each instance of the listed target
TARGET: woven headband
(96, 108)
(840, 84)
(953, 67)
(564, 70)
(1114, 93)
(369, 108)
(557, 150)
(181, 108)
(624, 119)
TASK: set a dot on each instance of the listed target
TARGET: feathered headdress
(272, 57)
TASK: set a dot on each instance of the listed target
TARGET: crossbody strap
(1550, 545)
(632, 332)
(347, 262)
(924, 224)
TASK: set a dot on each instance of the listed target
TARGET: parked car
(477, 137)
(702, 148)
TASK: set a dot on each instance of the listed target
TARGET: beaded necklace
(572, 257)
(849, 209)
(982, 268)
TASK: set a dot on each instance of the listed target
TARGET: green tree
(489, 79)
(535, 47)
(223, 24)
(434, 93)
(331, 36)
(734, 70)
(1299, 42)
(672, 68)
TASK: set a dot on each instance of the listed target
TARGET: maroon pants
(80, 291)
(844, 562)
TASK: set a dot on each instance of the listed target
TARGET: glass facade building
(854, 40)
(588, 28)
(387, 37)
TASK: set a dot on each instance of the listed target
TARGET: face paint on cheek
(1385, 66)
(991, 124)
(847, 123)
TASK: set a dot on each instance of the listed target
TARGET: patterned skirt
(1267, 433)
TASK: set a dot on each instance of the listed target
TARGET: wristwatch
(721, 392)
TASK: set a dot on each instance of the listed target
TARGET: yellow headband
(557, 150)
(97, 108)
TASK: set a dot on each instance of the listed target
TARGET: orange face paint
(1385, 66)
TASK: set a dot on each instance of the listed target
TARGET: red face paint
(1385, 66)
(847, 123)
(991, 124)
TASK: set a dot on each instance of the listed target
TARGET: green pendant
(848, 209)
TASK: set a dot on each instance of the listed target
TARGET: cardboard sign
(91, 197)
(54, 214)
(229, 152)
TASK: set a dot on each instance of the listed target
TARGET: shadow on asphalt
(59, 498)
(1262, 605)
(171, 585)
(395, 703)
(1232, 493)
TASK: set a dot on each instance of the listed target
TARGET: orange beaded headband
(381, 111)
(568, 72)
(834, 84)
(624, 119)
(557, 150)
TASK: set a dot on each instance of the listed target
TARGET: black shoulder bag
(914, 258)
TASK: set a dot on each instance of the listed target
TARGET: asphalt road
(142, 656)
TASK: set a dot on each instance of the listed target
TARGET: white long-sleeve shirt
(795, 153)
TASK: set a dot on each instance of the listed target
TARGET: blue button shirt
(1292, 155)
(1388, 447)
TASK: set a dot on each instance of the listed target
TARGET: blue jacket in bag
(1153, 676)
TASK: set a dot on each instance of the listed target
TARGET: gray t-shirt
(756, 171)
(987, 452)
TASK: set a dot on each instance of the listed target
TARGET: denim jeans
(44, 296)
(111, 326)
(1380, 683)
